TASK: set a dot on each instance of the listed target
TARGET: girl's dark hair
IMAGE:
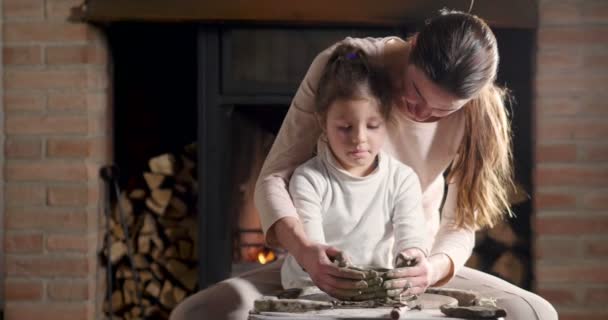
(458, 52)
(348, 74)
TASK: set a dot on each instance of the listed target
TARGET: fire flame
(266, 255)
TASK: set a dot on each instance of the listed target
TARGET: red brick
(67, 242)
(101, 149)
(68, 290)
(60, 8)
(596, 247)
(567, 36)
(564, 13)
(571, 225)
(26, 242)
(45, 79)
(22, 55)
(595, 60)
(56, 31)
(23, 290)
(48, 311)
(68, 54)
(571, 176)
(47, 266)
(561, 248)
(24, 194)
(558, 296)
(558, 60)
(46, 171)
(30, 101)
(595, 12)
(68, 195)
(596, 296)
(99, 123)
(23, 8)
(68, 148)
(571, 105)
(16, 148)
(594, 152)
(583, 314)
(552, 200)
(572, 273)
(548, 153)
(43, 124)
(25, 218)
(596, 200)
(571, 83)
(571, 129)
(97, 78)
(63, 101)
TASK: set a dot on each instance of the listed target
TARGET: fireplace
(234, 84)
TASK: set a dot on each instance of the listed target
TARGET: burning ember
(266, 255)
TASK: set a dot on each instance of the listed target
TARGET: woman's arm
(453, 245)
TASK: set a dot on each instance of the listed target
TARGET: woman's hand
(413, 279)
(341, 283)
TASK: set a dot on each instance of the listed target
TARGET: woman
(449, 115)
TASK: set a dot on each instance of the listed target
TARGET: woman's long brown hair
(458, 52)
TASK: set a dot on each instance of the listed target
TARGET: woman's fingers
(404, 272)
(343, 272)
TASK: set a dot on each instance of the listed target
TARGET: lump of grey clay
(473, 312)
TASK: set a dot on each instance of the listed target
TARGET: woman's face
(424, 101)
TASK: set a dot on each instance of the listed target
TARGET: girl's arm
(408, 216)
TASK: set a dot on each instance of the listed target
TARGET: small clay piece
(473, 312)
(465, 297)
(270, 304)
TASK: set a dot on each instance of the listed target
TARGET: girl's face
(355, 131)
(424, 101)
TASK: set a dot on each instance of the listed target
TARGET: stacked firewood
(504, 250)
(161, 235)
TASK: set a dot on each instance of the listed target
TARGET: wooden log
(140, 261)
(166, 295)
(163, 164)
(145, 276)
(177, 208)
(153, 180)
(159, 200)
(185, 249)
(171, 252)
(137, 194)
(179, 294)
(508, 266)
(153, 289)
(148, 226)
(503, 233)
(157, 270)
(124, 272)
(117, 301)
(117, 251)
(144, 244)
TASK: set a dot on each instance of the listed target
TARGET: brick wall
(56, 130)
(571, 174)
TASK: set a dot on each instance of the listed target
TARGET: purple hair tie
(351, 55)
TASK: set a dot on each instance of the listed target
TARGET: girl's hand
(341, 283)
(413, 279)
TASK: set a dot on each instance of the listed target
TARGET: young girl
(351, 195)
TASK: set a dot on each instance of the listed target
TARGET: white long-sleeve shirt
(370, 218)
(428, 148)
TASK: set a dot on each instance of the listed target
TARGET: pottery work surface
(430, 310)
